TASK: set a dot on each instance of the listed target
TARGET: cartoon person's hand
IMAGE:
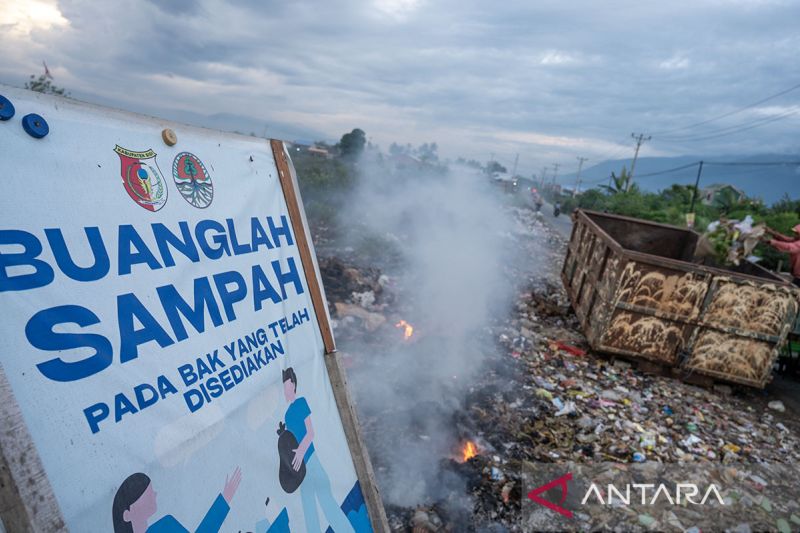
(232, 484)
(297, 461)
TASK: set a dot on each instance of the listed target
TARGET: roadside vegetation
(328, 179)
(671, 205)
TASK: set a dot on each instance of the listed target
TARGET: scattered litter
(570, 349)
(777, 405)
(646, 520)
(371, 321)
(540, 398)
(567, 409)
(766, 504)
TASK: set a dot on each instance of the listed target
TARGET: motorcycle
(556, 210)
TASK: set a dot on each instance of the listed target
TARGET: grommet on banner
(35, 126)
(169, 137)
(6, 108)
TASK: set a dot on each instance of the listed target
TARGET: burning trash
(468, 451)
(408, 329)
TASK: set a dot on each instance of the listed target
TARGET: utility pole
(555, 172)
(514, 172)
(690, 215)
(541, 181)
(553, 181)
(639, 141)
(578, 179)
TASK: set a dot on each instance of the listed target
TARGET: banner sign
(158, 332)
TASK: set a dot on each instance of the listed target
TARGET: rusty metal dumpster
(638, 293)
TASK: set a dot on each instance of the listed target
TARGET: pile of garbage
(545, 398)
(730, 242)
(357, 298)
(588, 406)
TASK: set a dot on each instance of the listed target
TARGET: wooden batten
(336, 374)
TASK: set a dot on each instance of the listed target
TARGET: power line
(670, 170)
(724, 115)
(667, 171)
(719, 163)
(754, 164)
(624, 147)
(730, 130)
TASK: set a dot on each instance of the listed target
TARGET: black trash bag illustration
(289, 477)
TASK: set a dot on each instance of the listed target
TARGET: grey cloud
(479, 74)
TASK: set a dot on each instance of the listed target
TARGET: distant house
(406, 162)
(319, 152)
(311, 148)
(507, 183)
(710, 194)
(302, 145)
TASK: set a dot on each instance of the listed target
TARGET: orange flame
(468, 451)
(408, 329)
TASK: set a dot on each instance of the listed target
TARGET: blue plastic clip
(6, 108)
(35, 125)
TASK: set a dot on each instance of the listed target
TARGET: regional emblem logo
(192, 180)
(141, 178)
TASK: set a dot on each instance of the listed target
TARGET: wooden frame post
(336, 374)
(27, 501)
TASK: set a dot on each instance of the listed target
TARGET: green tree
(494, 166)
(397, 149)
(619, 183)
(42, 84)
(787, 205)
(726, 200)
(679, 195)
(427, 152)
(592, 199)
(351, 146)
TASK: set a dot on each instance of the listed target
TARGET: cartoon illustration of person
(279, 525)
(135, 503)
(315, 486)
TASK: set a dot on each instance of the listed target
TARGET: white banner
(158, 332)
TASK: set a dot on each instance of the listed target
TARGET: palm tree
(617, 184)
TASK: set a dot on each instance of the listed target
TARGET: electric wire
(730, 113)
(731, 130)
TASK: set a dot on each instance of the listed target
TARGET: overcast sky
(550, 80)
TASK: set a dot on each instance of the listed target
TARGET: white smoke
(453, 234)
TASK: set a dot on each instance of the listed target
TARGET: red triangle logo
(560, 482)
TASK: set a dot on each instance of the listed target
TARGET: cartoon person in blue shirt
(135, 503)
(315, 486)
